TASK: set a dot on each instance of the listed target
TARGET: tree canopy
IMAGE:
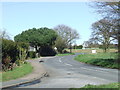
(67, 36)
(111, 11)
(37, 37)
(102, 32)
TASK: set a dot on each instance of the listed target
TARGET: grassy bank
(100, 59)
(17, 72)
(112, 86)
(65, 54)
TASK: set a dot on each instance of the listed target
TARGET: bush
(77, 47)
(32, 54)
(47, 51)
(10, 52)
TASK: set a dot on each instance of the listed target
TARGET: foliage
(47, 51)
(17, 72)
(31, 54)
(102, 32)
(111, 86)
(77, 47)
(13, 52)
(100, 59)
(9, 51)
(37, 37)
(60, 44)
(111, 10)
(67, 34)
(23, 50)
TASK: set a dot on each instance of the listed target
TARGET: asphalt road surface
(65, 72)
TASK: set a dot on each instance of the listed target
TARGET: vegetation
(111, 86)
(60, 44)
(102, 32)
(77, 47)
(89, 50)
(17, 72)
(13, 53)
(31, 54)
(10, 53)
(47, 51)
(110, 10)
(67, 36)
(37, 37)
(100, 59)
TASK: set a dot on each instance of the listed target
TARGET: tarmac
(38, 72)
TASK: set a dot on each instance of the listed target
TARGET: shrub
(47, 51)
(31, 54)
(10, 52)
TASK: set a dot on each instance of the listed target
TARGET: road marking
(94, 70)
(60, 59)
(68, 64)
(65, 63)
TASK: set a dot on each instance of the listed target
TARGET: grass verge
(17, 72)
(90, 50)
(108, 60)
(112, 86)
(65, 54)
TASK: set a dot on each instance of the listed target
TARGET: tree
(102, 32)
(60, 44)
(4, 34)
(68, 34)
(111, 10)
(37, 37)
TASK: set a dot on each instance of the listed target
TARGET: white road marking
(68, 64)
(94, 70)
(60, 59)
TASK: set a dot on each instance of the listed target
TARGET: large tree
(102, 32)
(37, 37)
(111, 11)
(67, 34)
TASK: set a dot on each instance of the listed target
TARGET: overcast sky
(21, 16)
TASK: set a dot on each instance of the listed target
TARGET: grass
(17, 72)
(90, 50)
(108, 60)
(111, 86)
(65, 54)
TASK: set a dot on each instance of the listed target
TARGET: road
(65, 72)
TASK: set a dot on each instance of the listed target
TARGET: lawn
(108, 60)
(112, 86)
(17, 72)
(65, 54)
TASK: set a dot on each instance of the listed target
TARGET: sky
(21, 16)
